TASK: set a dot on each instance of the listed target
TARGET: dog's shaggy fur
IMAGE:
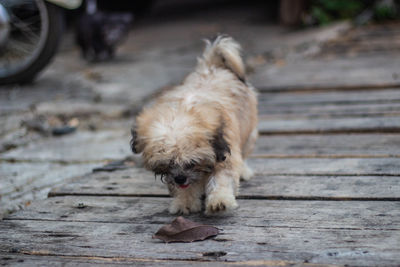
(198, 135)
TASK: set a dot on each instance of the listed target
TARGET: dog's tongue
(183, 186)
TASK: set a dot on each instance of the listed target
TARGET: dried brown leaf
(183, 230)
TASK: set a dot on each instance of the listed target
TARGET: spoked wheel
(30, 31)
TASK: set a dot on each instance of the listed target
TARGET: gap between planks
(310, 115)
(392, 130)
(95, 260)
(245, 197)
(322, 88)
(304, 156)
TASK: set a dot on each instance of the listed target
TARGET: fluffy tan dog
(198, 135)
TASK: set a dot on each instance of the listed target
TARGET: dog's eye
(207, 168)
(161, 170)
(190, 165)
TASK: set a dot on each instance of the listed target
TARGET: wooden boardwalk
(326, 192)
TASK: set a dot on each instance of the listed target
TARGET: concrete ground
(101, 99)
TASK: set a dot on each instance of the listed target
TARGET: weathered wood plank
(330, 125)
(345, 97)
(388, 29)
(374, 44)
(327, 166)
(133, 182)
(384, 215)
(374, 71)
(322, 187)
(16, 259)
(328, 145)
(330, 104)
(337, 234)
(24, 181)
(141, 183)
(81, 147)
(328, 111)
(356, 42)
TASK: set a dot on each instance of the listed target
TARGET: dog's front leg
(221, 190)
(186, 200)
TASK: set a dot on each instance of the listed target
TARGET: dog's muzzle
(181, 181)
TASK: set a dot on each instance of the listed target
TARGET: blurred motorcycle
(30, 32)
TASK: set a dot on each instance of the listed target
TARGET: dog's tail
(224, 52)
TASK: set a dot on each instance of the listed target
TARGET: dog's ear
(134, 142)
(220, 145)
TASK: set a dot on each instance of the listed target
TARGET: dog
(197, 135)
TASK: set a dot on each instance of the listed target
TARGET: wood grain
(336, 104)
(328, 187)
(345, 97)
(325, 193)
(51, 261)
(341, 73)
(275, 213)
(362, 233)
(381, 124)
(328, 145)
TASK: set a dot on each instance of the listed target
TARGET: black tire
(55, 30)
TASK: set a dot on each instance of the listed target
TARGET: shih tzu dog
(197, 135)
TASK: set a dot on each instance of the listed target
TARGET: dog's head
(181, 146)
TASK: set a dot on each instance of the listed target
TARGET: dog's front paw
(247, 173)
(216, 202)
(183, 207)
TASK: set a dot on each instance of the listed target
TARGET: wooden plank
(327, 166)
(330, 104)
(328, 111)
(382, 96)
(290, 177)
(328, 145)
(374, 71)
(359, 41)
(322, 187)
(298, 231)
(133, 182)
(9, 259)
(22, 182)
(80, 147)
(16, 259)
(381, 124)
(384, 215)
(320, 246)
(141, 183)
(375, 30)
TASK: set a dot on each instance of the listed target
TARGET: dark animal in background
(99, 33)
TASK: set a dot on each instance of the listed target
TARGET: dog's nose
(180, 179)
